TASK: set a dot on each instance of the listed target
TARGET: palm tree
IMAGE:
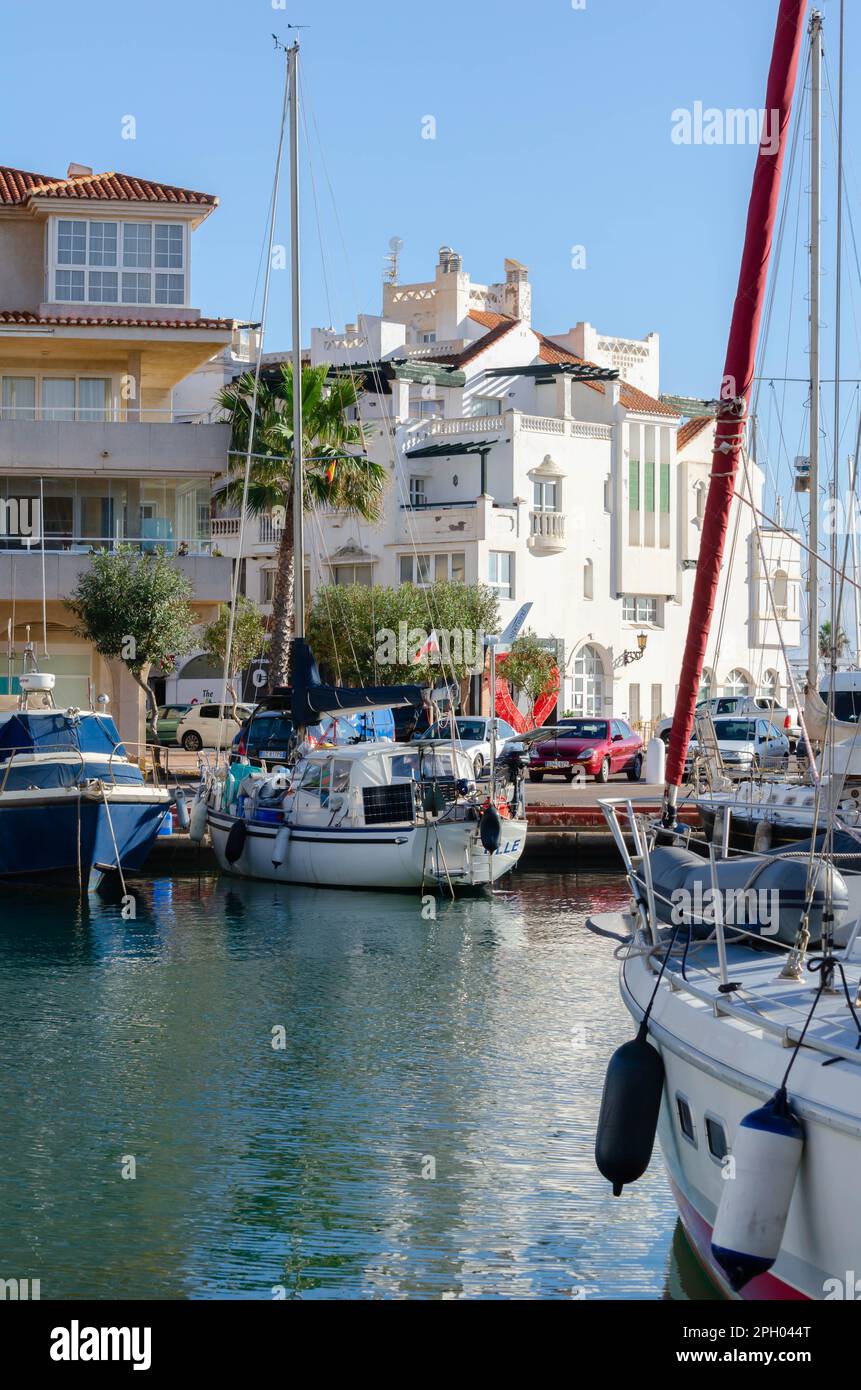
(841, 642)
(337, 472)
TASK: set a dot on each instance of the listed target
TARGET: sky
(552, 122)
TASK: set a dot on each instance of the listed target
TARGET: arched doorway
(588, 682)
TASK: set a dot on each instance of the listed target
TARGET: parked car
(411, 721)
(199, 726)
(749, 705)
(167, 722)
(600, 747)
(473, 737)
(748, 745)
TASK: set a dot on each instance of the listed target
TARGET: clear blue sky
(553, 130)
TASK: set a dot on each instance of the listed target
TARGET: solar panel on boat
(385, 804)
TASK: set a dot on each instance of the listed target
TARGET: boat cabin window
(311, 779)
(340, 775)
(686, 1120)
(716, 1136)
(847, 704)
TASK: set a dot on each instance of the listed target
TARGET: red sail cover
(738, 374)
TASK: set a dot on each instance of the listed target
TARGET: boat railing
(119, 752)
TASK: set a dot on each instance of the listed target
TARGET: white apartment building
(547, 466)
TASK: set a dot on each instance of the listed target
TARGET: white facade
(593, 493)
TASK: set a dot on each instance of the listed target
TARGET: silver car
(748, 745)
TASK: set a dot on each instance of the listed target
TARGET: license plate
(276, 753)
(557, 763)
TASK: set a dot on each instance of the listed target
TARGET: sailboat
(372, 815)
(741, 972)
(74, 808)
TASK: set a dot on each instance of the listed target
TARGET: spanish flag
(330, 472)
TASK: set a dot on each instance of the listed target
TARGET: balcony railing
(88, 545)
(111, 415)
(268, 528)
(547, 530)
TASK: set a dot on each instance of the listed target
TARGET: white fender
(281, 845)
(756, 1196)
(197, 820)
(181, 808)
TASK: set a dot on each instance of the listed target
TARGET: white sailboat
(372, 815)
(742, 972)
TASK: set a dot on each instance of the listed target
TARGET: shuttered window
(665, 487)
(649, 485)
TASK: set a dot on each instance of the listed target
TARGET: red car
(598, 746)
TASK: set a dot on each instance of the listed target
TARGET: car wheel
(478, 764)
(635, 771)
(536, 776)
(192, 742)
(603, 773)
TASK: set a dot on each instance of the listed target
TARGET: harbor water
(252, 1091)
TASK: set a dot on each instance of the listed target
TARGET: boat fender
(281, 846)
(235, 841)
(490, 829)
(197, 820)
(181, 808)
(753, 1208)
(762, 837)
(628, 1119)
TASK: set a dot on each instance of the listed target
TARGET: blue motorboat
(74, 808)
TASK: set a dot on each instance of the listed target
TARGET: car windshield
(468, 730)
(584, 728)
(735, 730)
(270, 728)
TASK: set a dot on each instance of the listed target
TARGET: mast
(298, 471)
(736, 384)
(815, 278)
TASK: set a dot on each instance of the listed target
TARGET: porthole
(716, 1138)
(686, 1120)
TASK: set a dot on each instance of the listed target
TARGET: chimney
(518, 291)
(78, 171)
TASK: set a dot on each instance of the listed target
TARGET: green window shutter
(649, 485)
(634, 484)
(665, 487)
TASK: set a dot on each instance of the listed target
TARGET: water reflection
(422, 1127)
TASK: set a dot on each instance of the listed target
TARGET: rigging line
(253, 412)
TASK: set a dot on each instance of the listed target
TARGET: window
(151, 254)
(58, 398)
(267, 585)
(686, 1120)
(608, 493)
(423, 569)
(780, 590)
(664, 498)
(649, 484)
(19, 398)
(771, 685)
(657, 701)
(588, 580)
(500, 571)
(738, 682)
(589, 682)
(545, 496)
(428, 338)
(716, 1137)
(638, 609)
(486, 405)
(424, 407)
(634, 702)
(353, 574)
(418, 494)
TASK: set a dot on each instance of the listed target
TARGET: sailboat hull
(403, 857)
(61, 837)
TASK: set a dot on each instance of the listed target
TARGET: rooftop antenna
(396, 246)
(279, 44)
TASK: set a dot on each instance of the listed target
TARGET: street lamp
(627, 657)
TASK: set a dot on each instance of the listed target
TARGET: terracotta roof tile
(17, 186)
(691, 428)
(488, 319)
(25, 318)
(498, 325)
(630, 396)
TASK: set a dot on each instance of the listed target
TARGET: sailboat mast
(298, 480)
(815, 281)
(736, 384)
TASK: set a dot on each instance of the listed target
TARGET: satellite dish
(396, 243)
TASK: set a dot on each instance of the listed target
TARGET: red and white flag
(427, 649)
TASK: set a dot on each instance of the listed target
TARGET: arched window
(771, 685)
(588, 682)
(738, 682)
(707, 680)
(588, 580)
(780, 589)
(201, 668)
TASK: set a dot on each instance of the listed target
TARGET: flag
(330, 472)
(428, 648)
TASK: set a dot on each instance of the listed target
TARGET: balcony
(21, 574)
(171, 444)
(546, 531)
(262, 531)
(437, 521)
